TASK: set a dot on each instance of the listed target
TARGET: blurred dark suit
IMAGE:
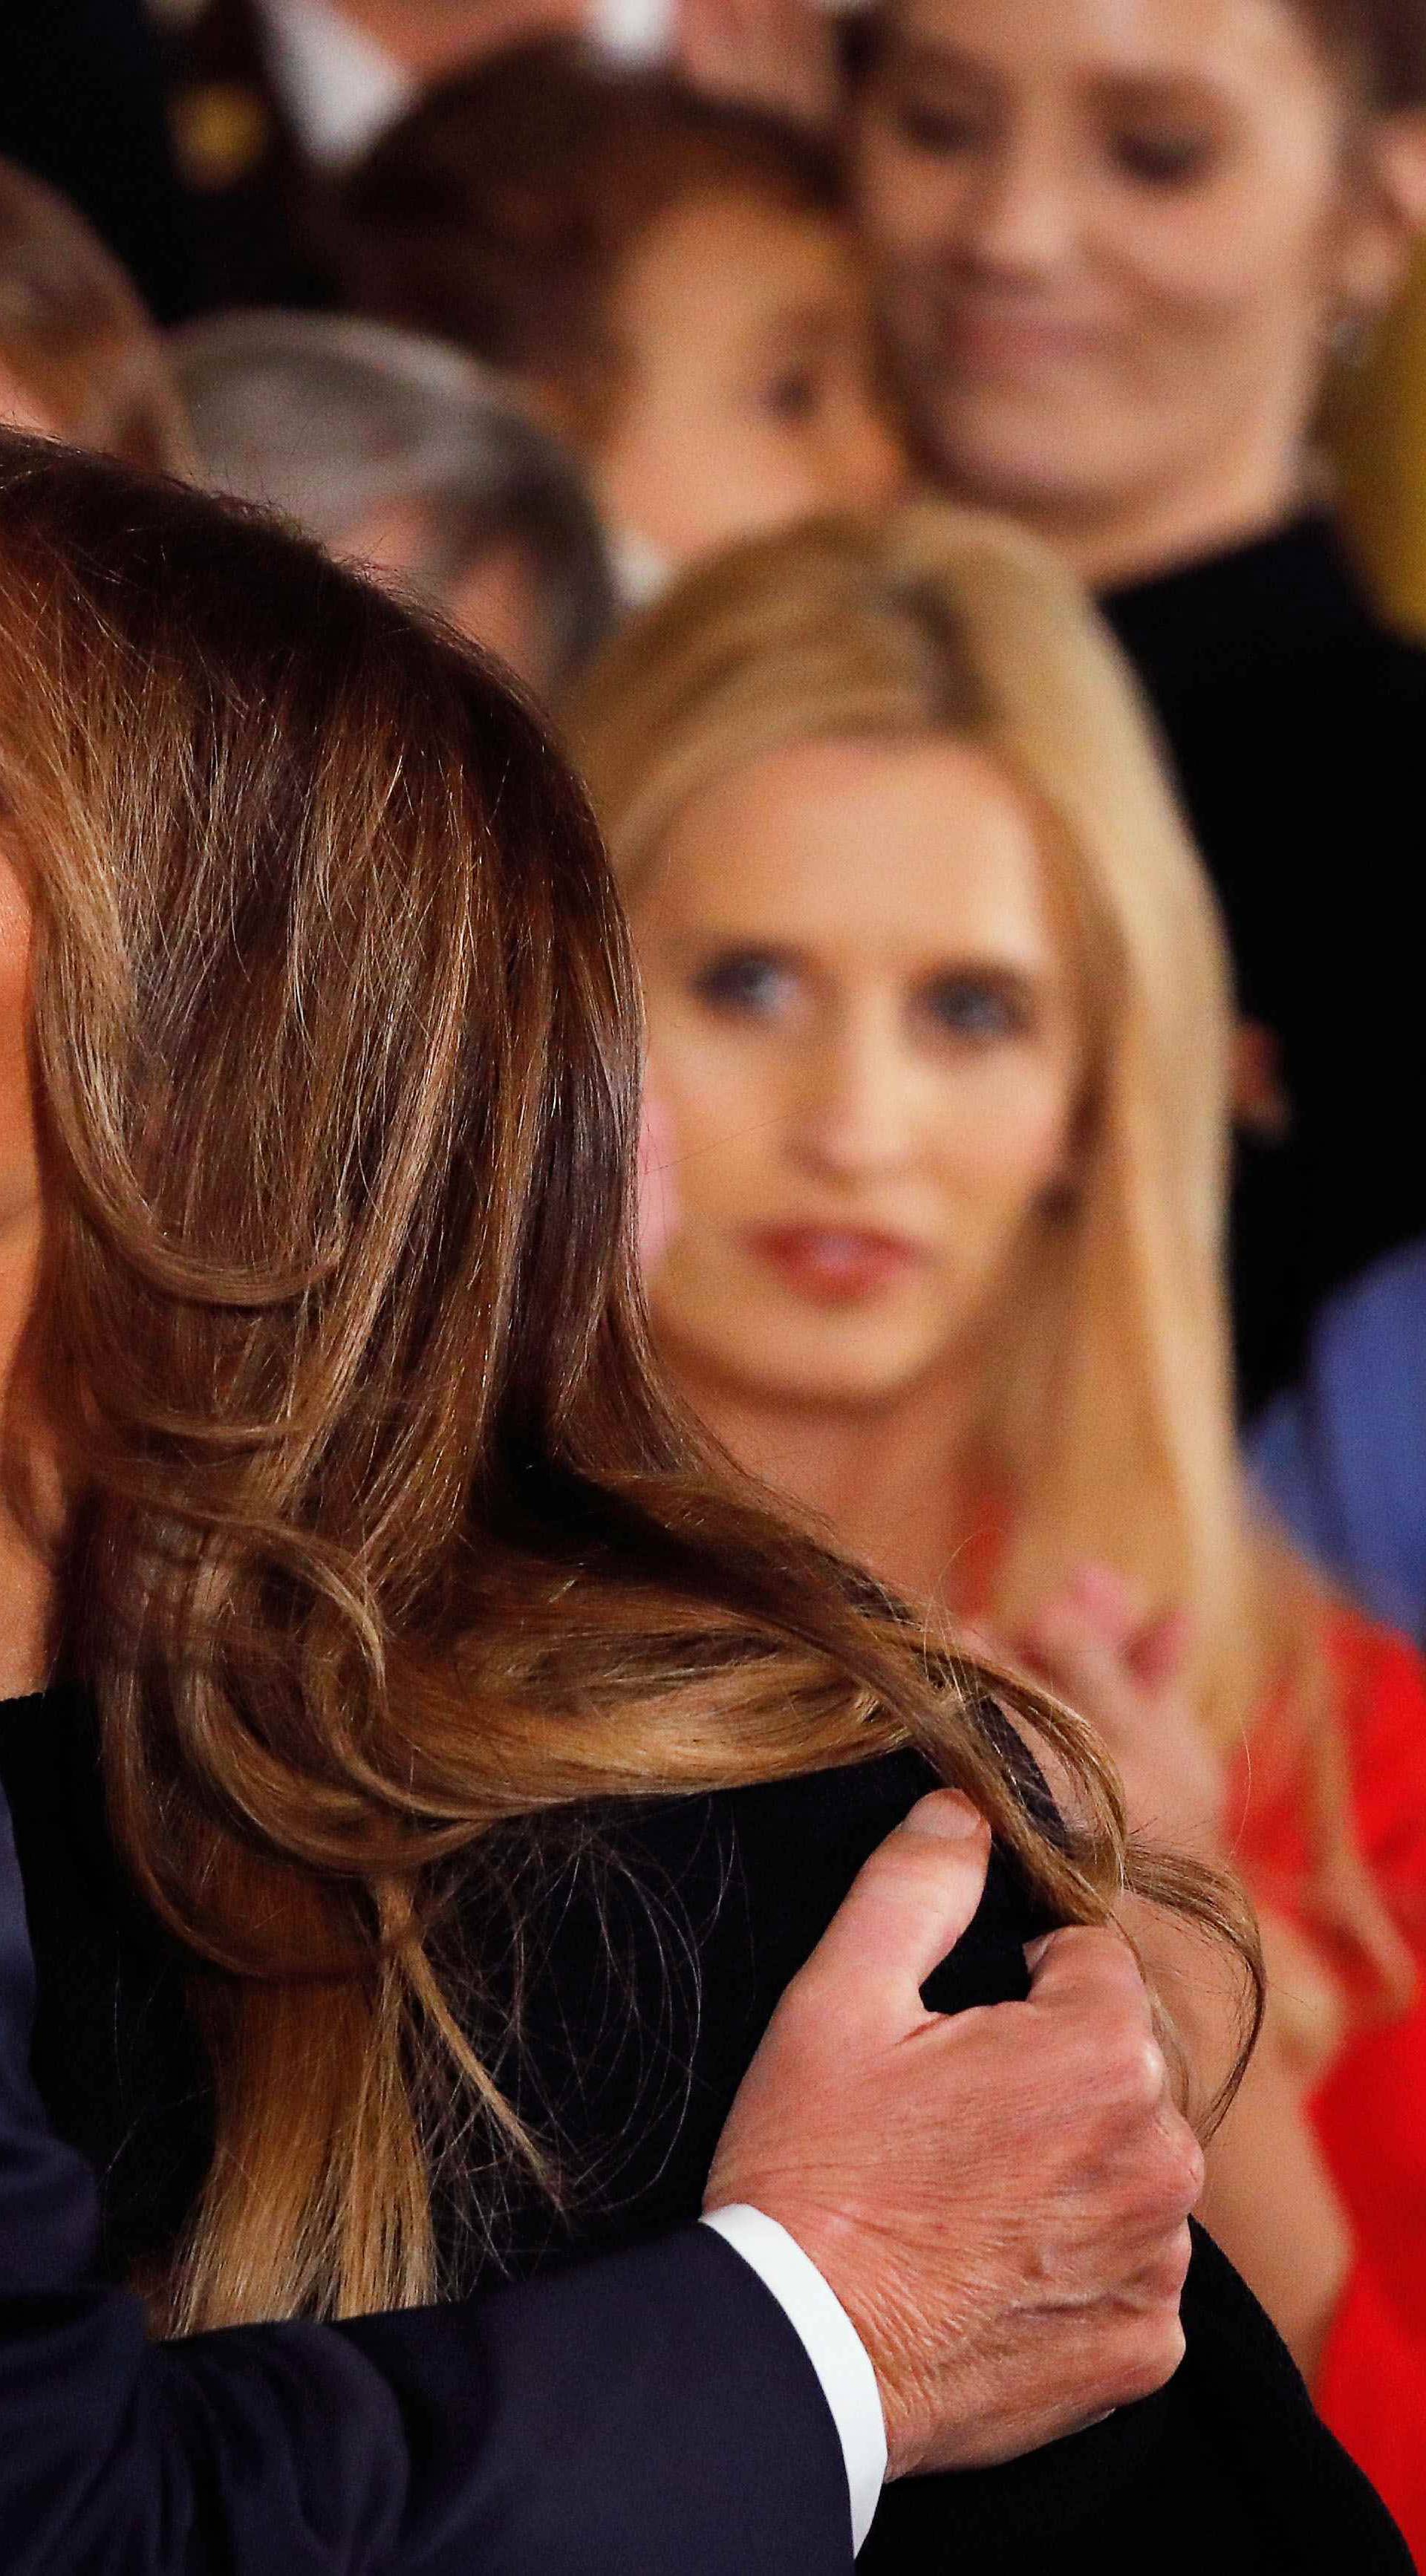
(165, 126)
(254, 200)
(82, 105)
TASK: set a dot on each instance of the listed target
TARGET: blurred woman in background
(1119, 249)
(673, 282)
(79, 357)
(939, 1017)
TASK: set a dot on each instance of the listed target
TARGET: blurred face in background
(430, 37)
(20, 406)
(1116, 239)
(495, 598)
(866, 1047)
(746, 394)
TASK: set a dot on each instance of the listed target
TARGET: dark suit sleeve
(653, 2411)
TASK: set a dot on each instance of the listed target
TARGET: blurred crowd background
(955, 473)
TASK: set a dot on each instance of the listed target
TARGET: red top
(1371, 2112)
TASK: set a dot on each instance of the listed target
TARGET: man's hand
(999, 2198)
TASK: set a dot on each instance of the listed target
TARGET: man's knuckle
(1165, 2275)
(1133, 2072)
(1112, 1959)
(1151, 2359)
(1189, 2168)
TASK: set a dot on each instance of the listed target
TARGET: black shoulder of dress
(1288, 600)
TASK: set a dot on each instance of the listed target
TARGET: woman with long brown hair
(939, 1016)
(454, 1714)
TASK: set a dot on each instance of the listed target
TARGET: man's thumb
(907, 1906)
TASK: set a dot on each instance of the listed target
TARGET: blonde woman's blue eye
(748, 984)
(978, 1009)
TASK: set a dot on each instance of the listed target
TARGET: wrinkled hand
(1125, 1675)
(999, 2198)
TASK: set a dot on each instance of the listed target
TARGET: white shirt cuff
(833, 2346)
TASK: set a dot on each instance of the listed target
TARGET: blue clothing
(1343, 1460)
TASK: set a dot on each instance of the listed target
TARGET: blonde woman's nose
(859, 1113)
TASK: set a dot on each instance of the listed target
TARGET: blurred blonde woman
(940, 1015)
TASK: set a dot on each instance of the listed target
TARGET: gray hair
(324, 418)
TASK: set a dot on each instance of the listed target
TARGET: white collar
(341, 87)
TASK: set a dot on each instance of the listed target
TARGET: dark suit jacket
(82, 105)
(647, 2414)
(171, 135)
(256, 207)
(656, 1942)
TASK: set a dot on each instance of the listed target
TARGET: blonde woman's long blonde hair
(1107, 1413)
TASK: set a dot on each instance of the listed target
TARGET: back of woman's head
(380, 1532)
(323, 1003)
(335, 1046)
(74, 337)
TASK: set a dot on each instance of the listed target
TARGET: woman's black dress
(1297, 725)
(658, 1941)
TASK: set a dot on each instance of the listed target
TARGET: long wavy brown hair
(381, 1529)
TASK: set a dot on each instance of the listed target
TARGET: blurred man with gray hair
(403, 455)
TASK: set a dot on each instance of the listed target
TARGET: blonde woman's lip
(1010, 344)
(836, 1265)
